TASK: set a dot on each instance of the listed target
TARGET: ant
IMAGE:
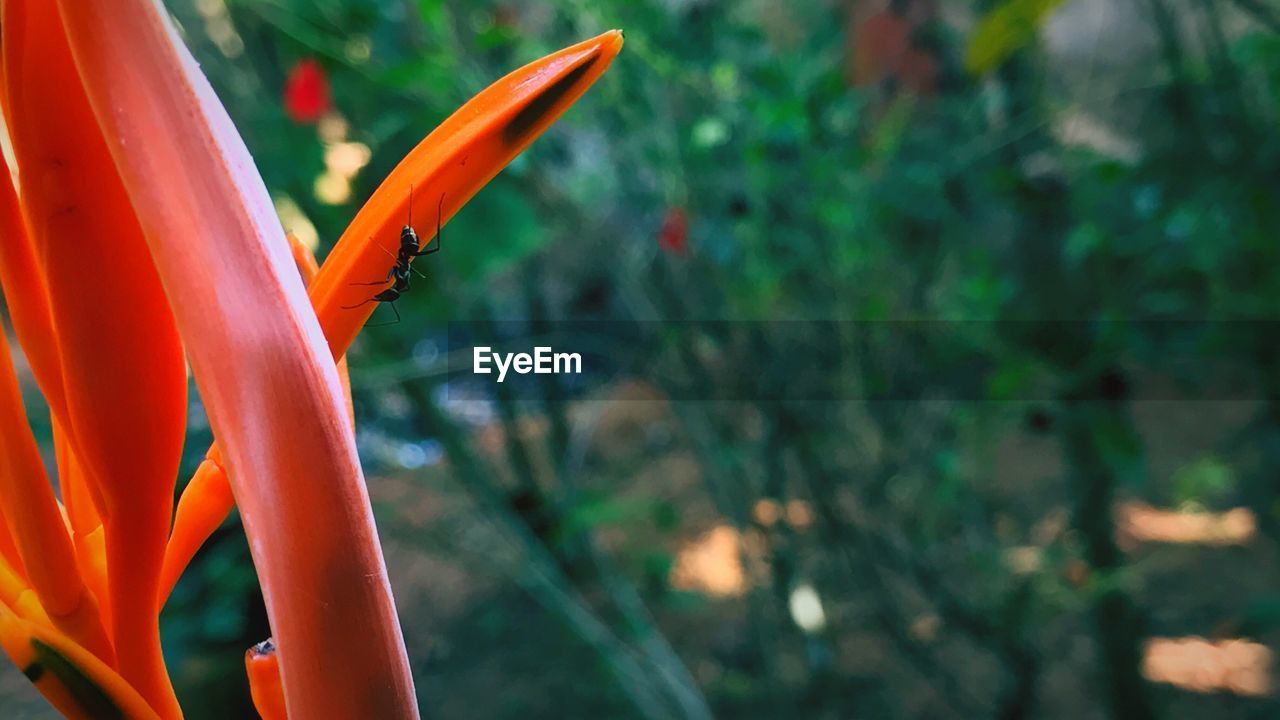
(398, 275)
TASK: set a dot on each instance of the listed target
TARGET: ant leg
(392, 303)
(353, 307)
(437, 239)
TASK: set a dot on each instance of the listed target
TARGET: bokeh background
(952, 381)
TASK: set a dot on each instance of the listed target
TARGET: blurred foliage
(1003, 30)
(1039, 239)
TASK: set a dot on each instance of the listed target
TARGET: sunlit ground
(711, 564)
(1194, 663)
(1143, 523)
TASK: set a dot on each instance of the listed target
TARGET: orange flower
(137, 239)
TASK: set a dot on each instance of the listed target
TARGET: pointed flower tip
(542, 90)
(604, 46)
(448, 167)
(611, 44)
(607, 44)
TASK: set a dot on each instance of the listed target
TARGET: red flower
(306, 92)
(674, 232)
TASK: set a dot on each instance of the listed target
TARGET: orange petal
(452, 163)
(8, 548)
(264, 371)
(16, 594)
(9, 552)
(303, 259)
(27, 298)
(263, 668)
(91, 556)
(33, 516)
(82, 508)
(309, 269)
(85, 521)
(207, 499)
(205, 503)
(122, 364)
(77, 684)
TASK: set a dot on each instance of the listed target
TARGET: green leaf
(1004, 30)
(1205, 479)
(1081, 243)
(605, 511)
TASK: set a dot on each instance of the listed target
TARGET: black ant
(398, 275)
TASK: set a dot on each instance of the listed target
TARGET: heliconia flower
(306, 92)
(127, 163)
(674, 233)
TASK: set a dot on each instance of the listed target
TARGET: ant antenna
(410, 204)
